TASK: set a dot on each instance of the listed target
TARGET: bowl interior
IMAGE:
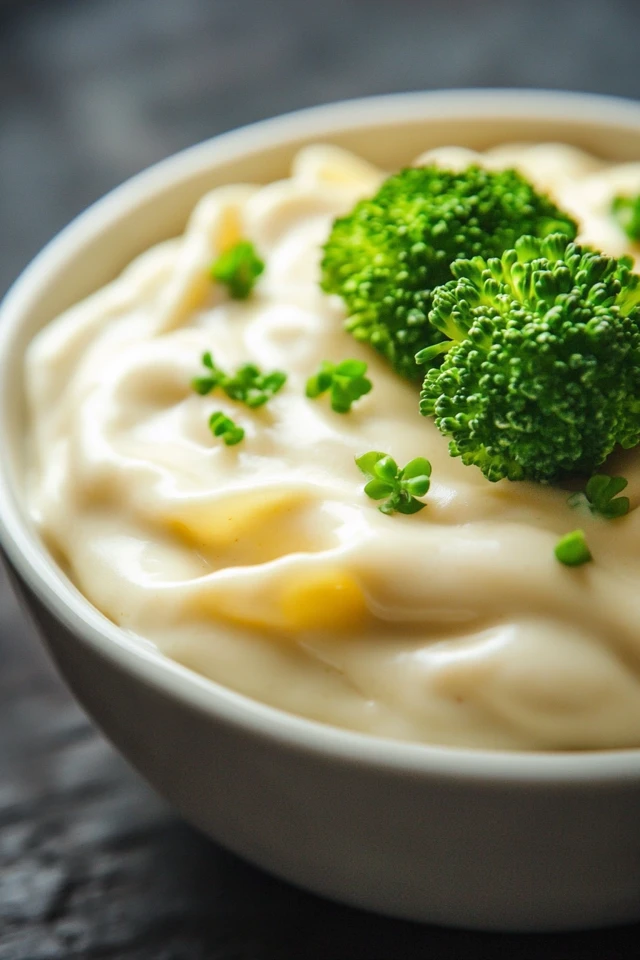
(389, 131)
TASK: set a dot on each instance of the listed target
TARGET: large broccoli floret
(386, 256)
(541, 374)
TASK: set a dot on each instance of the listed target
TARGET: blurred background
(92, 91)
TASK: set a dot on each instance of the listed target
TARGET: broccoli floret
(541, 374)
(386, 256)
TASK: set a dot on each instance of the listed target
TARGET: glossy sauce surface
(264, 566)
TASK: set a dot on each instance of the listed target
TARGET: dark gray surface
(91, 862)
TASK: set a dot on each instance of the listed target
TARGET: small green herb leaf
(223, 426)
(398, 488)
(377, 489)
(626, 211)
(387, 469)
(203, 385)
(351, 368)
(367, 461)
(417, 486)
(572, 549)
(416, 475)
(238, 268)
(213, 376)
(320, 382)
(345, 380)
(247, 385)
(601, 494)
(408, 505)
(601, 488)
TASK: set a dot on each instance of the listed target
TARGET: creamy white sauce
(264, 566)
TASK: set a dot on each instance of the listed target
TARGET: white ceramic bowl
(467, 838)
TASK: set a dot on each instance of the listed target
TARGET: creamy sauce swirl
(264, 566)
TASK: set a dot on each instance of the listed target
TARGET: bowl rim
(37, 569)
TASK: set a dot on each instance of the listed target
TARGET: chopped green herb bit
(398, 488)
(212, 378)
(252, 387)
(572, 549)
(238, 268)
(346, 382)
(626, 210)
(223, 426)
(247, 385)
(601, 494)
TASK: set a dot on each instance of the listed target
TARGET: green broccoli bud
(626, 210)
(601, 496)
(238, 268)
(345, 381)
(573, 550)
(397, 487)
(541, 371)
(223, 426)
(388, 254)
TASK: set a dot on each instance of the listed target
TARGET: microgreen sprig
(626, 210)
(346, 382)
(238, 268)
(247, 385)
(250, 386)
(223, 426)
(573, 550)
(213, 377)
(601, 494)
(397, 487)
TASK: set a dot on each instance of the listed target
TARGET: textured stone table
(92, 864)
